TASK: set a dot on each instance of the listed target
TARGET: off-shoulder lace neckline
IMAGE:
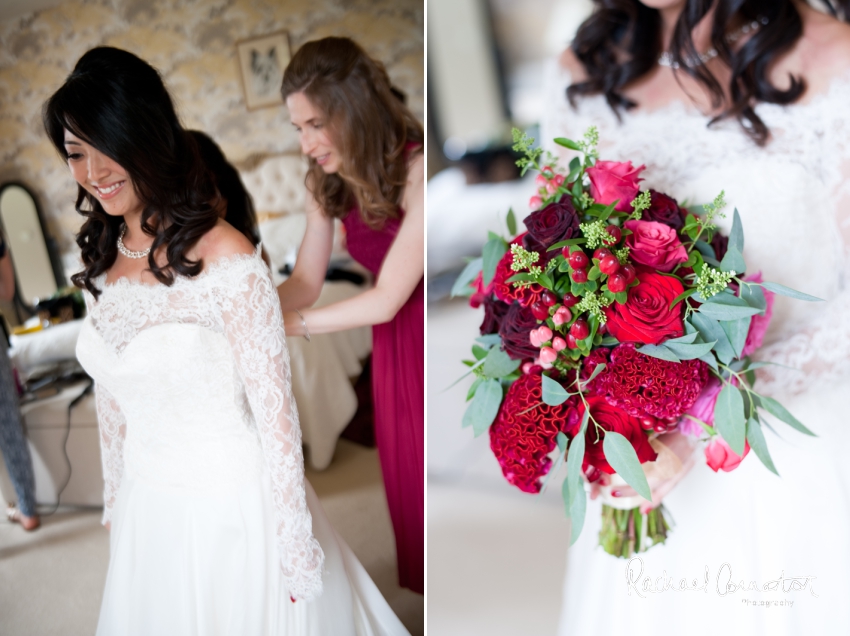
(219, 264)
(840, 82)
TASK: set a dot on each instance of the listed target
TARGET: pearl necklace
(125, 251)
(666, 59)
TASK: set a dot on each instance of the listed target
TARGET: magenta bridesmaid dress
(398, 388)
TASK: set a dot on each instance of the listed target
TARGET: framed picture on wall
(261, 63)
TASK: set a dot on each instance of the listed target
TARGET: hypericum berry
(609, 265)
(648, 423)
(660, 427)
(615, 232)
(602, 329)
(579, 275)
(540, 311)
(549, 298)
(548, 355)
(551, 188)
(579, 260)
(570, 300)
(617, 283)
(580, 329)
(559, 344)
(535, 202)
(541, 180)
(572, 343)
(628, 270)
(558, 180)
(561, 316)
(602, 253)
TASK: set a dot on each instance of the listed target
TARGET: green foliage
(484, 406)
(641, 202)
(622, 456)
(498, 364)
(511, 222)
(553, 393)
(467, 276)
(493, 251)
(755, 436)
(729, 417)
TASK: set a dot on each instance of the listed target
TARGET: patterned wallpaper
(192, 43)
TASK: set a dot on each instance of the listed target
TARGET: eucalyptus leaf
(782, 290)
(755, 436)
(733, 261)
(706, 250)
(562, 441)
(710, 360)
(471, 393)
(461, 286)
(490, 339)
(777, 410)
(610, 341)
(753, 296)
(565, 495)
(736, 235)
(729, 418)
(553, 393)
(479, 352)
(484, 406)
(736, 331)
(710, 330)
(622, 456)
(689, 351)
(596, 371)
(493, 251)
(577, 514)
(498, 364)
(575, 457)
(688, 338)
(659, 351)
(511, 221)
(724, 311)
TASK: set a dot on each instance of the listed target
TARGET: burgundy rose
(646, 317)
(556, 222)
(664, 209)
(614, 181)
(494, 312)
(514, 329)
(610, 418)
(719, 243)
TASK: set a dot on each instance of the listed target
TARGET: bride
(750, 96)
(213, 527)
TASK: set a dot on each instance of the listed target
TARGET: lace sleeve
(254, 327)
(112, 430)
(820, 352)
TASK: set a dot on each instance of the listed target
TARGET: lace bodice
(793, 196)
(193, 392)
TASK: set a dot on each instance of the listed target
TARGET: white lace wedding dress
(794, 199)
(213, 525)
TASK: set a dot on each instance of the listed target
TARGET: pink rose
(655, 245)
(613, 180)
(759, 324)
(703, 409)
(719, 456)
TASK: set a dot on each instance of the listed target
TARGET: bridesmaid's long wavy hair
(621, 41)
(367, 121)
(118, 104)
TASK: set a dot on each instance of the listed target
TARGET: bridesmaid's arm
(400, 273)
(303, 287)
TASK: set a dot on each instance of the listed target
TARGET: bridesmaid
(366, 167)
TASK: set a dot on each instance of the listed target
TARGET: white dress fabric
(792, 196)
(213, 525)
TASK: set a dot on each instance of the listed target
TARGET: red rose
(613, 180)
(646, 317)
(610, 418)
(655, 245)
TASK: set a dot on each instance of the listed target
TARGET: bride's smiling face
(664, 4)
(101, 177)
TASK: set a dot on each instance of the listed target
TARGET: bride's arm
(251, 319)
(113, 428)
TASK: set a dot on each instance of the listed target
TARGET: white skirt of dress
(207, 564)
(785, 542)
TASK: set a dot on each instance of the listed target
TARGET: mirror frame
(50, 244)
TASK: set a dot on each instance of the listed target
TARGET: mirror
(34, 255)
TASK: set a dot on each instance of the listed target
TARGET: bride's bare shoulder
(222, 241)
(571, 64)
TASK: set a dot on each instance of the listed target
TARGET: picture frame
(262, 60)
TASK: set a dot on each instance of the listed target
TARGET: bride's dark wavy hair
(118, 104)
(621, 42)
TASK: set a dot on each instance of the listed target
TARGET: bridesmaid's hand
(676, 458)
(292, 324)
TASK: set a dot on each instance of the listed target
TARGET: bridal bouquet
(617, 317)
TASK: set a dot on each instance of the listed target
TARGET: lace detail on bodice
(793, 196)
(194, 392)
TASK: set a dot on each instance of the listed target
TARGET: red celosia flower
(642, 385)
(522, 437)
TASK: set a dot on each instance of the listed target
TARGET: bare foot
(27, 523)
